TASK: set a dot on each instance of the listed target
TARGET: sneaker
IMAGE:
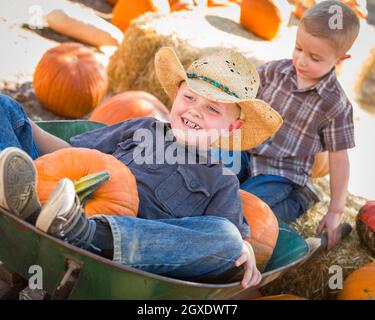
(18, 183)
(311, 193)
(62, 217)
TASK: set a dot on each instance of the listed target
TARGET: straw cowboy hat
(225, 77)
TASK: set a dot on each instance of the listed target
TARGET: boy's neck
(302, 84)
(305, 84)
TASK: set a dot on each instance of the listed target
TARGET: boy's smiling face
(198, 120)
(313, 58)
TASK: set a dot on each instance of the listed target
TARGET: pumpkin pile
(129, 105)
(117, 196)
(264, 228)
(69, 80)
(365, 224)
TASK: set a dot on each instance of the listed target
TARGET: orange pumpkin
(365, 225)
(361, 12)
(301, 6)
(69, 81)
(236, 1)
(217, 3)
(282, 297)
(127, 10)
(178, 5)
(321, 165)
(264, 228)
(129, 105)
(359, 285)
(117, 196)
(261, 17)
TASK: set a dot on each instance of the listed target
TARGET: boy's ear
(344, 57)
(236, 125)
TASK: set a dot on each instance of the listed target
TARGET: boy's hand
(331, 221)
(252, 275)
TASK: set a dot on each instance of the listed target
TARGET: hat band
(217, 84)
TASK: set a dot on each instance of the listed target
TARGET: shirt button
(301, 170)
(194, 184)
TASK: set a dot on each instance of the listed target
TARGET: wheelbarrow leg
(68, 281)
(10, 284)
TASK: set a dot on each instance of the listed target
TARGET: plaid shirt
(315, 119)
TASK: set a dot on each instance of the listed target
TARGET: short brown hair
(316, 21)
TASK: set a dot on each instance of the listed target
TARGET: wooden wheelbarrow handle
(346, 229)
(319, 243)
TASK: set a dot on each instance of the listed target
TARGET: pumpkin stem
(88, 184)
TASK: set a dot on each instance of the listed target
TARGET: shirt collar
(324, 87)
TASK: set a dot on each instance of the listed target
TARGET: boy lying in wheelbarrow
(193, 222)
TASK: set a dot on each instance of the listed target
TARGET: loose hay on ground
(311, 279)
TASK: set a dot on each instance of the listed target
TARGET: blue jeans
(281, 194)
(188, 248)
(15, 128)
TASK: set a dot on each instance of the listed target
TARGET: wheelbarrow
(72, 273)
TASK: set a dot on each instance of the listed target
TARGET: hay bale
(365, 84)
(311, 279)
(192, 34)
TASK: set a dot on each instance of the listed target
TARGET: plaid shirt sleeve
(339, 133)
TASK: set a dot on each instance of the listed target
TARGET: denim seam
(116, 233)
(19, 123)
(155, 264)
(222, 258)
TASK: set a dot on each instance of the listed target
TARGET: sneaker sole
(59, 202)
(19, 183)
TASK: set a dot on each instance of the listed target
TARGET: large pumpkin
(127, 10)
(69, 81)
(261, 17)
(282, 297)
(321, 165)
(117, 196)
(264, 228)
(360, 285)
(129, 105)
(365, 224)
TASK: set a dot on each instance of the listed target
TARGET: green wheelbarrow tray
(70, 272)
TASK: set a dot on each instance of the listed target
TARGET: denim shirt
(169, 190)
